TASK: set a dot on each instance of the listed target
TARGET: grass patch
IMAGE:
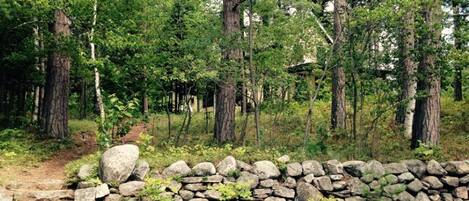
(79, 126)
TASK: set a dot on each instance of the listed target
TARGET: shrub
(233, 191)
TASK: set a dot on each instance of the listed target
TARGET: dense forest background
(343, 78)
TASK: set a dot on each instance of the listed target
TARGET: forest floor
(33, 177)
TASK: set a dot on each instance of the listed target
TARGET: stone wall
(282, 179)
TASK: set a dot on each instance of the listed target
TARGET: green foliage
(233, 191)
(71, 169)
(426, 152)
(81, 126)
(119, 117)
(154, 188)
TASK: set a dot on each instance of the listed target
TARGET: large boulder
(417, 167)
(313, 167)
(294, 169)
(247, 178)
(85, 171)
(266, 170)
(85, 194)
(354, 167)
(204, 169)
(434, 168)
(178, 168)
(373, 168)
(227, 166)
(117, 163)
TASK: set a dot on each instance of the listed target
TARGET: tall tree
(405, 111)
(226, 89)
(458, 34)
(338, 113)
(97, 82)
(55, 112)
(426, 128)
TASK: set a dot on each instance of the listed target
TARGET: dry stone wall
(281, 180)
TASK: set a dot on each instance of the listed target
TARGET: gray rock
(177, 198)
(274, 199)
(394, 189)
(353, 167)
(268, 183)
(4, 196)
(44, 195)
(435, 197)
(447, 196)
(140, 171)
(434, 168)
(422, 197)
(339, 185)
(113, 197)
(284, 159)
(294, 169)
(406, 177)
(333, 167)
(290, 182)
(227, 166)
(249, 179)
(86, 171)
(266, 170)
(117, 163)
(373, 168)
(307, 192)
(416, 167)
(204, 169)
(308, 178)
(192, 180)
(312, 167)
(186, 195)
(367, 178)
(214, 195)
(85, 194)
(375, 185)
(178, 168)
(336, 177)
(323, 183)
(213, 179)
(284, 192)
(355, 198)
(357, 187)
(391, 179)
(464, 180)
(102, 191)
(415, 186)
(450, 181)
(405, 196)
(395, 168)
(262, 193)
(174, 186)
(85, 184)
(198, 199)
(131, 188)
(433, 181)
(458, 167)
(461, 192)
(195, 187)
(244, 166)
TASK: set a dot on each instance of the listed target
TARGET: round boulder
(117, 163)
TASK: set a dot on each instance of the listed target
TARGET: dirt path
(51, 169)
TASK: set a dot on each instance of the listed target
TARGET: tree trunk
(405, 111)
(338, 115)
(83, 101)
(226, 93)
(55, 113)
(457, 83)
(99, 97)
(426, 128)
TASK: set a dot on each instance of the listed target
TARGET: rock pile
(409, 180)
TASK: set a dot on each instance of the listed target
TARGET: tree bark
(426, 128)
(457, 82)
(99, 97)
(405, 111)
(338, 113)
(37, 95)
(226, 92)
(55, 113)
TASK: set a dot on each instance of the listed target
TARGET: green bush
(233, 191)
(154, 188)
